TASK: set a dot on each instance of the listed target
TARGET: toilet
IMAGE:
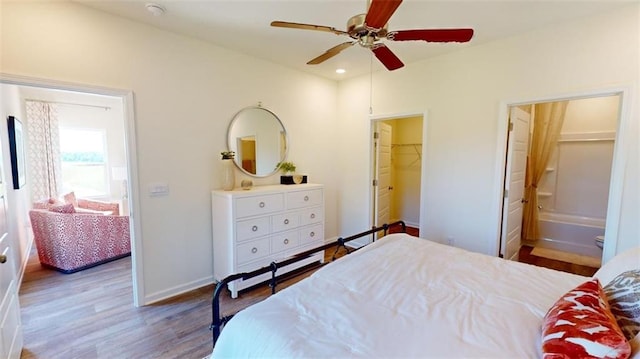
(599, 241)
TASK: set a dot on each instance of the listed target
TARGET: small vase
(228, 174)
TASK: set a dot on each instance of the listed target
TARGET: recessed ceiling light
(155, 9)
(340, 71)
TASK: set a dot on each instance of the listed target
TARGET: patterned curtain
(44, 150)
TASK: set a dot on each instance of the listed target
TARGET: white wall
(186, 92)
(18, 203)
(462, 93)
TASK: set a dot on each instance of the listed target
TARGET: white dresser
(253, 228)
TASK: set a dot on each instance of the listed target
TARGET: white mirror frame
(269, 137)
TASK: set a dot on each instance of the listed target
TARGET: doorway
(573, 188)
(396, 169)
(120, 177)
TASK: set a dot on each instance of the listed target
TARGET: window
(84, 162)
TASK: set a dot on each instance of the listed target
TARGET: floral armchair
(69, 241)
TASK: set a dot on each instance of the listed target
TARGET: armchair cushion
(63, 208)
(101, 206)
(81, 205)
(70, 242)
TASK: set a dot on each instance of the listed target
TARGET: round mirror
(259, 139)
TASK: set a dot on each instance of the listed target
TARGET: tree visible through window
(84, 162)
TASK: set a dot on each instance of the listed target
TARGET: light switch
(158, 189)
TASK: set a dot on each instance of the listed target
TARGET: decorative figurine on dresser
(253, 228)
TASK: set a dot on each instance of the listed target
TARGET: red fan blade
(437, 35)
(330, 53)
(388, 58)
(380, 12)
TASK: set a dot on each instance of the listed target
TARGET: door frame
(423, 172)
(127, 98)
(616, 184)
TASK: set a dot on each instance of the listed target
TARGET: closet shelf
(405, 144)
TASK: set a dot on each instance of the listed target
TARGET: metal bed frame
(218, 321)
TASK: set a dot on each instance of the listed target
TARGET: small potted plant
(286, 167)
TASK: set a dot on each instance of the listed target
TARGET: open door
(517, 149)
(382, 174)
(10, 324)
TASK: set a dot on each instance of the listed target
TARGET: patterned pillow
(63, 208)
(580, 325)
(623, 295)
(71, 198)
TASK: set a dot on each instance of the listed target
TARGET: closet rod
(106, 108)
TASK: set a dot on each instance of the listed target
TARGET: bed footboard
(218, 321)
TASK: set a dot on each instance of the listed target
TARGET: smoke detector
(155, 9)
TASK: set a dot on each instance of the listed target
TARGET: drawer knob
(254, 250)
(286, 241)
(312, 234)
(313, 215)
(261, 205)
(286, 221)
(254, 228)
(306, 198)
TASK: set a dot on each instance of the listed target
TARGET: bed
(404, 296)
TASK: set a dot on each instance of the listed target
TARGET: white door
(517, 149)
(10, 326)
(382, 177)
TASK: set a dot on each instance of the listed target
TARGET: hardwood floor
(90, 314)
(526, 257)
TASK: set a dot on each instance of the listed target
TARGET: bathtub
(570, 233)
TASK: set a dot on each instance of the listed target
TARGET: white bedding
(403, 297)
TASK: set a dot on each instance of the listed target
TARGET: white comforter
(403, 297)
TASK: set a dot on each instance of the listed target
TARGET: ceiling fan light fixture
(155, 9)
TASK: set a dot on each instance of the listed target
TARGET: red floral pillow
(63, 208)
(580, 325)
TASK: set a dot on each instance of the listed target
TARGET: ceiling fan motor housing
(358, 30)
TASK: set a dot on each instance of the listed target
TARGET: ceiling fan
(368, 29)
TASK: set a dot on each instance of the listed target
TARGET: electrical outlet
(451, 241)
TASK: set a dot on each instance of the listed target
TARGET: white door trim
(423, 172)
(127, 98)
(620, 150)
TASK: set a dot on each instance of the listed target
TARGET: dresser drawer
(301, 199)
(312, 215)
(283, 222)
(250, 251)
(252, 206)
(312, 236)
(252, 228)
(284, 241)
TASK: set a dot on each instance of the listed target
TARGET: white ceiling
(243, 25)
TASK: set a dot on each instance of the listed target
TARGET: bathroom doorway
(573, 190)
